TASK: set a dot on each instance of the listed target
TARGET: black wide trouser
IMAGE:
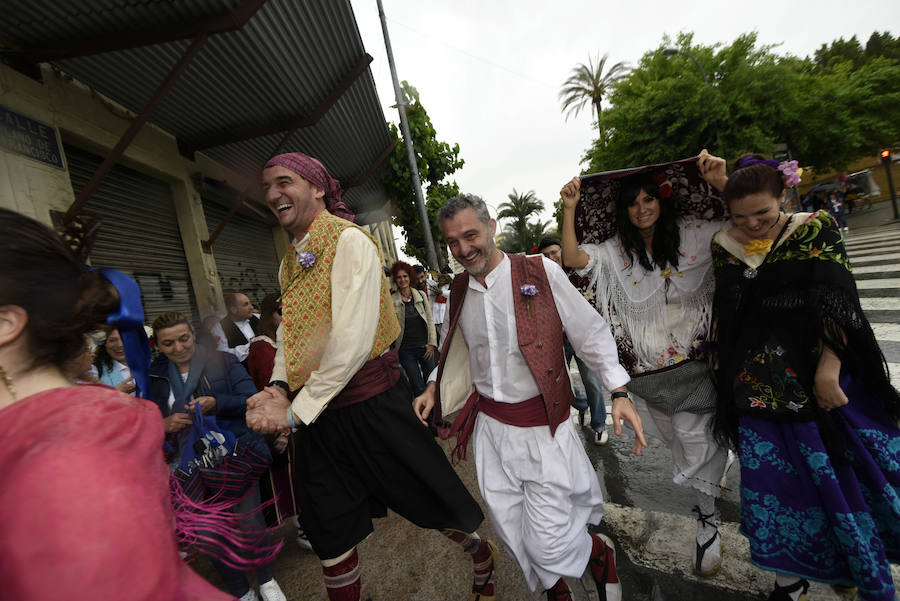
(353, 464)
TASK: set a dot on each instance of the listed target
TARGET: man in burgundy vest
(504, 335)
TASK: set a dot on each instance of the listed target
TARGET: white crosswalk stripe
(875, 254)
(855, 260)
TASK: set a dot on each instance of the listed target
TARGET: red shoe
(600, 580)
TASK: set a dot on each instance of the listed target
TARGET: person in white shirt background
(235, 330)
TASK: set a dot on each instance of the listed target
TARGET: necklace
(7, 380)
(750, 272)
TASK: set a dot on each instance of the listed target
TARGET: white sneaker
(601, 437)
(270, 591)
(249, 596)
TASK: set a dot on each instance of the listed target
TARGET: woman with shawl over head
(85, 509)
(653, 283)
(804, 396)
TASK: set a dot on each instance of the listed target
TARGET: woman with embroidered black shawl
(804, 396)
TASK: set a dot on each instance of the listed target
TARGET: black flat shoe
(783, 593)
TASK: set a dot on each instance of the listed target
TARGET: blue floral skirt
(806, 515)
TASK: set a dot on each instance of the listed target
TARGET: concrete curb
(662, 542)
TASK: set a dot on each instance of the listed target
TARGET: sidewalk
(880, 214)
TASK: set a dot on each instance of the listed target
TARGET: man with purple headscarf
(359, 447)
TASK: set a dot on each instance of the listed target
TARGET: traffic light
(886, 157)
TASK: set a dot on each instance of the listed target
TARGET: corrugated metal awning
(278, 68)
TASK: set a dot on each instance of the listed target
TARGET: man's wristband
(292, 422)
(282, 385)
(619, 394)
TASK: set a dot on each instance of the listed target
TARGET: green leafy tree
(520, 233)
(436, 162)
(755, 99)
(588, 83)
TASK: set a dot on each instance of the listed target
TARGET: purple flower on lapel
(306, 259)
(528, 290)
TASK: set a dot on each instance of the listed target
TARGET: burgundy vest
(539, 330)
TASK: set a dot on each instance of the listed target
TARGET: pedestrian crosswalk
(875, 257)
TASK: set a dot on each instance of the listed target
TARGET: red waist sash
(374, 377)
(525, 414)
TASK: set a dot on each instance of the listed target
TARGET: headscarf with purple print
(315, 173)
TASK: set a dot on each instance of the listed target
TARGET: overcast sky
(489, 71)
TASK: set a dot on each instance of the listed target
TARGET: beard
(484, 256)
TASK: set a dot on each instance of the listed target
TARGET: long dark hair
(666, 238)
(270, 305)
(102, 359)
(63, 299)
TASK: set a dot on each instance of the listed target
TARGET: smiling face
(114, 346)
(472, 242)
(402, 280)
(644, 211)
(294, 201)
(177, 343)
(755, 215)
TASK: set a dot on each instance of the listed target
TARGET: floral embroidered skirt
(807, 515)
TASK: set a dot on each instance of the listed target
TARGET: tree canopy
(436, 161)
(830, 110)
(588, 83)
(520, 234)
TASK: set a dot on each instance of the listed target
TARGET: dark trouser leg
(580, 402)
(409, 361)
(594, 392)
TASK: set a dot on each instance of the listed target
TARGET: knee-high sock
(483, 581)
(342, 579)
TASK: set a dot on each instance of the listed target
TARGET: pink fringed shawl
(85, 509)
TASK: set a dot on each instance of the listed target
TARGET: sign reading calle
(30, 138)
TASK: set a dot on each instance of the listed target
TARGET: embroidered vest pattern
(306, 301)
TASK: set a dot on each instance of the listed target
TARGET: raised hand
(570, 192)
(712, 168)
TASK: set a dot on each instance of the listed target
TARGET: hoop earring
(7, 380)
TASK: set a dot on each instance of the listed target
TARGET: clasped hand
(267, 410)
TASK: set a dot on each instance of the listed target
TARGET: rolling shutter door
(139, 235)
(244, 252)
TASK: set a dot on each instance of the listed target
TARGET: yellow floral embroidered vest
(306, 301)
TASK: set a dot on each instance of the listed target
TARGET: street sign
(30, 138)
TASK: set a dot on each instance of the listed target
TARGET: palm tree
(519, 208)
(589, 83)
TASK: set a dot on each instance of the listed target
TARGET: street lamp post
(676, 51)
(410, 151)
